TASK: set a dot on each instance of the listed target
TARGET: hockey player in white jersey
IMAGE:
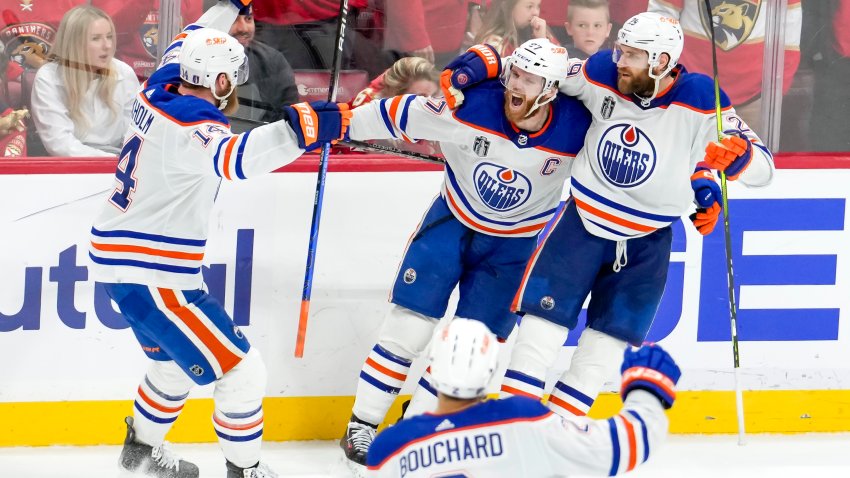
(518, 436)
(508, 152)
(147, 244)
(636, 174)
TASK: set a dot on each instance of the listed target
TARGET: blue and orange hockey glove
(731, 155)
(479, 63)
(708, 197)
(318, 122)
(652, 369)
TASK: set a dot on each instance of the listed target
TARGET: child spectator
(509, 23)
(412, 75)
(588, 24)
(82, 98)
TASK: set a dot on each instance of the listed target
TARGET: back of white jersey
(633, 174)
(153, 228)
(518, 437)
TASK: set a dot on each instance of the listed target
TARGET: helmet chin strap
(538, 103)
(657, 80)
(222, 99)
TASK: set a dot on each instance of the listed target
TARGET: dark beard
(642, 86)
(518, 116)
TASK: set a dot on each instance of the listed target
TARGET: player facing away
(636, 174)
(508, 152)
(518, 436)
(148, 242)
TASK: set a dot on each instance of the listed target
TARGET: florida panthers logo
(501, 188)
(149, 34)
(732, 20)
(626, 155)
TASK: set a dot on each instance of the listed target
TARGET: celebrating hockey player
(148, 242)
(518, 436)
(508, 152)
(636, 174)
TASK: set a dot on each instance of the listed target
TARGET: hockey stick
(373, 147)
(730, 275)
(320, 190)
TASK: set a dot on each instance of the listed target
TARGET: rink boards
(70, 365)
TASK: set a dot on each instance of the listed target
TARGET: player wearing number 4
(147, 245)
(508, 151)
(636, 174)
(518, 437)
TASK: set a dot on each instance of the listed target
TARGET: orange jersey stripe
(519, 230)
(225, 169)
(157, 406)
(231, 426)
(566, 406)
(630, 433)
(385, 370)
(616, 220)
(189, 256)
(516, 391)
(226, 359)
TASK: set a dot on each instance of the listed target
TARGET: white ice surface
(683, 456)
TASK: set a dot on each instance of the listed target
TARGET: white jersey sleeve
(406, 117)
(575, 84)
(761, 169)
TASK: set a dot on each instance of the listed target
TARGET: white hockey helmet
(655, 34)
(464, 356)
(540, 57)
(206, 53)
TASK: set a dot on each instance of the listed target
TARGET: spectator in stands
(137, 27)
(412, 75)
(829, 129)
(271, 82)
(588, 25)
(509, 23)
(739, 29)
(435, 30)
(305, 31)
(82, 98)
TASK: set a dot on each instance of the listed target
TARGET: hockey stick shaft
(376, 147)
(320, 190)
(730, 275)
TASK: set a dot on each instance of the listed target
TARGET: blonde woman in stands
(412, 74)
(82, 98)
(509, 23)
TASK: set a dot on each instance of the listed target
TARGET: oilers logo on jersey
(500, 188)
(626, 155)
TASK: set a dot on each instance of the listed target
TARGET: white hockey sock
(595, 359)
(403, 337)
(159, 400)
(238, 416)
(424, 397)
(535, 351)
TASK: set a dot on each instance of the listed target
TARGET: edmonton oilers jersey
(499, 180)
(153, 226)
(633, 174)
(519, 437)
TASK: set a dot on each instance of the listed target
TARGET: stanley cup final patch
(481, 146)
(607, 107)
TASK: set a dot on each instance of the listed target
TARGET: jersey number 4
(125, 173)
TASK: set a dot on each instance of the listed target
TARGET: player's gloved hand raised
(479, 63)
(731, 155)
(318, 122)
(652, 369)
(708, 197)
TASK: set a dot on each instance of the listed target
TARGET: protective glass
(242, 73)
(629, 58)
